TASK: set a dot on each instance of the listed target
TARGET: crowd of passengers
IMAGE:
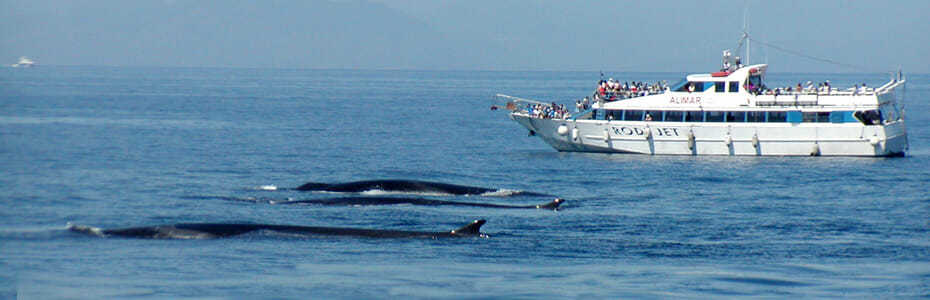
(612, 90)
(551, 111)
(821, 88)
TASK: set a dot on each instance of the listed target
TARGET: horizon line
(432, 70)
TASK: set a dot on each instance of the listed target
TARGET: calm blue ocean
(121, 147)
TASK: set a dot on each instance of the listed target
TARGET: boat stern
(894, 142)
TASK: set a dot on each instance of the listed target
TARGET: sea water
(120, 147)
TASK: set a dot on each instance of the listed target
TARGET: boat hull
(748, 139)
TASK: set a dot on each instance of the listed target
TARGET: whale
(365, 201)
(407, 186)
(376, 200)
(223, 230)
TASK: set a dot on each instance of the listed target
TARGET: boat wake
(505, 193)
(267, 187)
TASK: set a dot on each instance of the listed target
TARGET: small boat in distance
(726, 112)
(24, 62)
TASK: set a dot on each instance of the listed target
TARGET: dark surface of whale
(221, 230)
(350, 201)
(406, 186)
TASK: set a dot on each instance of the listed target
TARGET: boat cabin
(746, 79)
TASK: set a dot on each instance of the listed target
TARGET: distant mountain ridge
(275, 33)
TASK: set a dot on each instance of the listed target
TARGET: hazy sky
(608, 35)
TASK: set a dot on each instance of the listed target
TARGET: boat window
(694, 86)
(794, 116)
(633, 115)
(734, 86)
(755, 82)
(753, 86)
(719, 87)
(674, 116)
(614, 115)
(736, 116)
(841, 117)
(777, 116)
(823, 116)
(869, 117)
(653, 115)
(816, 116)
(708, 85)
(809, 117)
(714, 116)
(755, 116)
(889, 111)
(694, 116)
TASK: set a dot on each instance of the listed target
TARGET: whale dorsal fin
(554, 204)
(471, 229)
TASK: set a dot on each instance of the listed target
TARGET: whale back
(217, 230)
(313, 186)
(394, 185)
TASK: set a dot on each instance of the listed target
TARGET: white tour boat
(729, 112)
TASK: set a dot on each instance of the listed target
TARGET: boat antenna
(746, 30)
(745, 37)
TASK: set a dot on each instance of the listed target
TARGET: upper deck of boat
(744, 87)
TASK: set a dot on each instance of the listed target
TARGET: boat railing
(853, 91)
(520, 100)
(614, 95)
(890, 86)
(534, 108)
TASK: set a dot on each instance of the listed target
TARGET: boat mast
(746, 31)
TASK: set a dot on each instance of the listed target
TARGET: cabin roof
(735, 75)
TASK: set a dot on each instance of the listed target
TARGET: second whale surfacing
(363, 201)
(221, 230)
(406, 186)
